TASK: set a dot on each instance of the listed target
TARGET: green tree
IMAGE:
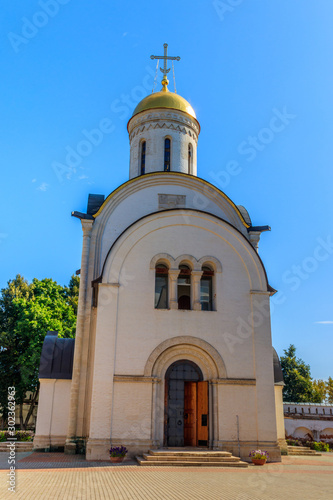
(297, 378)
(329, 390)
(319, 389)
(27, 312)
(72, 292)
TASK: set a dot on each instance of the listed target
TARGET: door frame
(202, 407)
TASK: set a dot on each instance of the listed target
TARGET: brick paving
(57, 476)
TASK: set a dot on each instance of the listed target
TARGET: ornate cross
(165, 70)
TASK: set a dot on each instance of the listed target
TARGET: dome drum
(163, 133)
(154, 127)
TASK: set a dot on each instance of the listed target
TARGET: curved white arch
(162, 257)
(209, 225)
(215, 263)
(109, 218)
(193, 349)
(302, 431)
(187, 259)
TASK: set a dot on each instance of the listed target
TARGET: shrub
(19, 435)
(320, 446)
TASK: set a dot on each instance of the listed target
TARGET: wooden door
(190, 414)
(202, 414)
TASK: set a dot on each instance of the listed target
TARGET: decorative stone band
(183, 121)
(136, 378)
(233, 381)
(157, 380)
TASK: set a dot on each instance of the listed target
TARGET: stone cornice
(167, 125)
(151, 116)
(233, 381)
(136, 378)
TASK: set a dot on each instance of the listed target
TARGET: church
(173, 343)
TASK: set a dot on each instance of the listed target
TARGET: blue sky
(259, 76)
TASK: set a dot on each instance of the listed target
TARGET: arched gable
(185, 347)
(116, 213)
(208, 224)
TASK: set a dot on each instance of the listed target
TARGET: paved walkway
(57, 476)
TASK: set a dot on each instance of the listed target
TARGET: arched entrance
(186, 406)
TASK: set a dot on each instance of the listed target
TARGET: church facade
(173, 344)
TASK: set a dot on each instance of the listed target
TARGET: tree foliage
(297, 378)
(27, 312)
(329, 390)
(319, 390)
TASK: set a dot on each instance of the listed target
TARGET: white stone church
(173, 343)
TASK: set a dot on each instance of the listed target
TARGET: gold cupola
(163, 132)
(165, 100)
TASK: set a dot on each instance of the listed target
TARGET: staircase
(302, 450)
(189, 458)
(20, 446)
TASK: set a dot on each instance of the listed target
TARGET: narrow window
(143, 157)
(161, 287)
(189, 166)
(167, 144)
(184, 287)
(206, 289)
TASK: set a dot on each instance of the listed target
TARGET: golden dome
(164, 99)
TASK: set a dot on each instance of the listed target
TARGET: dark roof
(95, 201)
(56, 360)
(278, 375)
(245, 214)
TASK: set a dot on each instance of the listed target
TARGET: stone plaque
(166, 201)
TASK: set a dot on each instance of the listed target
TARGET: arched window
(189, 156)
(143, 158)
(161, 286)
(167, 154)
(184, 287)
(206, 289)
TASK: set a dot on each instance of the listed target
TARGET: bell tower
(163, 131)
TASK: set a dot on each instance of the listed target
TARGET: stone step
(193, 458)
(186, 463)
(310, 453)
(299, 448)
(189, 453)
(20, 446)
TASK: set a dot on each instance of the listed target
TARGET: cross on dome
(165, 70)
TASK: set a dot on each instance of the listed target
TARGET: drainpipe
(237, 420)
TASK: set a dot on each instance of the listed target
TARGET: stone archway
(183, 384)
(209, 359)
(192, 350)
